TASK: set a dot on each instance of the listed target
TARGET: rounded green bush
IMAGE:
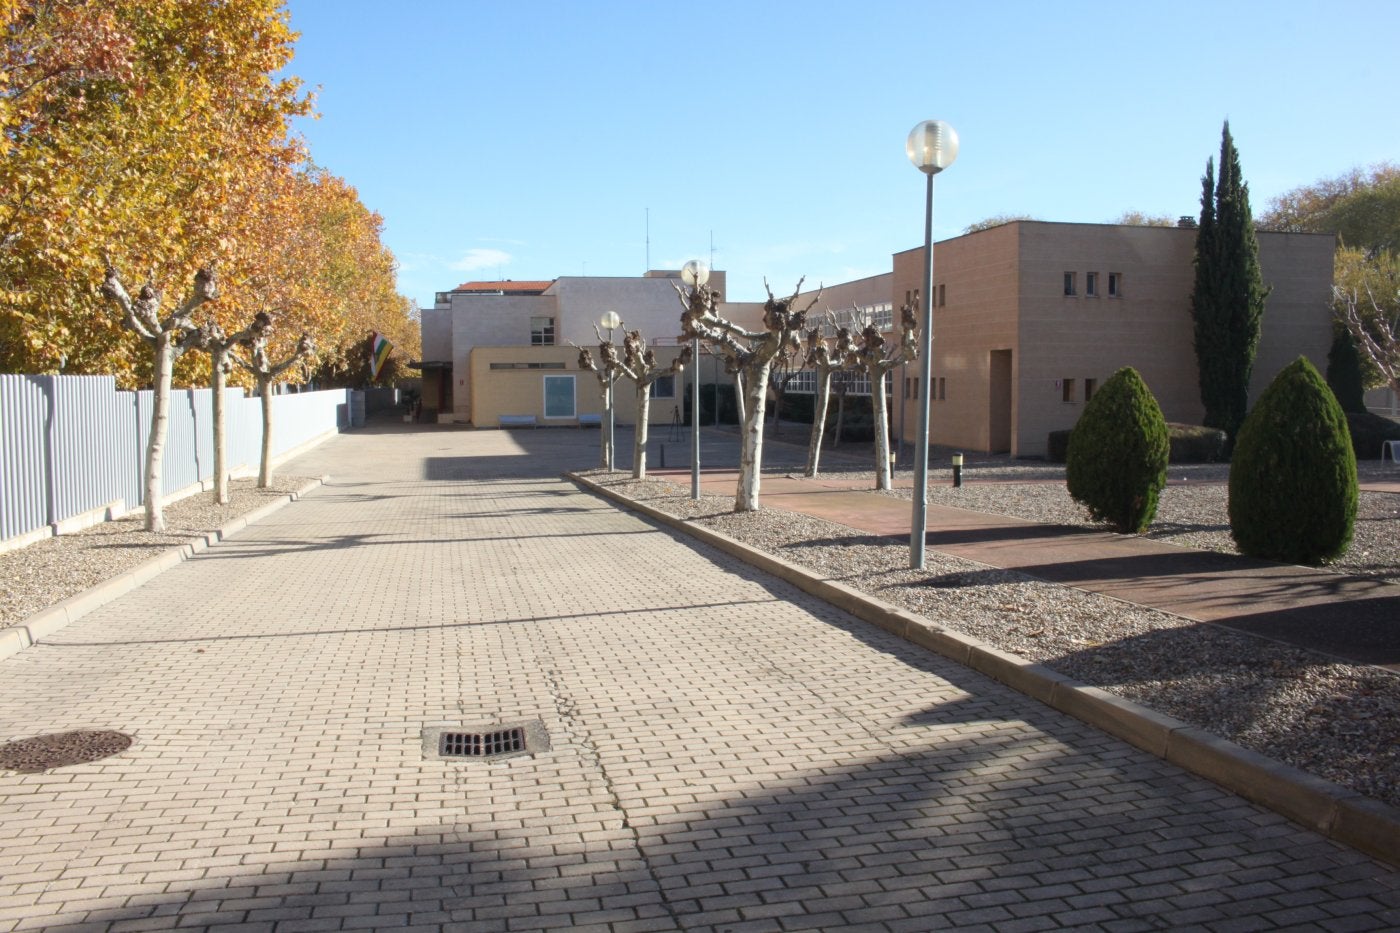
(1116, 464)
(1293, 475)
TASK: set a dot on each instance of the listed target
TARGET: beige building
(504, 348)
(1031, 317)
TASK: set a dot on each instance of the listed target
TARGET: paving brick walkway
(727, 753)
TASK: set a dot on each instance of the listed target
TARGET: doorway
(999, 404)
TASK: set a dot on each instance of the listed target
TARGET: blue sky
(528, 140)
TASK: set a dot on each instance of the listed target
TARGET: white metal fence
(73, 444)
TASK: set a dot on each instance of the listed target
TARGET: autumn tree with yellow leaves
(157, 132)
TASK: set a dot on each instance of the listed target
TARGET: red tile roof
(506, 286)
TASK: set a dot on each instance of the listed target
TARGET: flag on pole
(378, 352)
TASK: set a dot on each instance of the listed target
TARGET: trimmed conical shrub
(1116, 465)
(1293, 475)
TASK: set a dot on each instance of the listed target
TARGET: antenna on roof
(648, 267)
(712, 249)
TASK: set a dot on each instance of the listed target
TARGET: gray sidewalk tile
(726, 752)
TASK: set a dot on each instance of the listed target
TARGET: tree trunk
(840, 418)
(265, 471)
(739, 401)
(606, 447)
(220, 382)
(160, 424)
(814, 446)
(639, 444)
(751, 452)
(879, 410)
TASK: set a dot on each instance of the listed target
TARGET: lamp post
(932, 146)
(694, 274)
(610, 320)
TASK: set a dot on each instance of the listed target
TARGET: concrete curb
(1322, 806)
(47, 621)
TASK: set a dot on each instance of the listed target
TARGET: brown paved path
(1354, 617)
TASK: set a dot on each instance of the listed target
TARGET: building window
(1115, 285)
(1091, 284)
(1069, 284)
(559, 397)
(942, 388)
(541, 331)
(943, 295)
(1089, 386)
(665, 387)
(1066, 390)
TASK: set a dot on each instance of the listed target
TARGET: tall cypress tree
(1227, 302)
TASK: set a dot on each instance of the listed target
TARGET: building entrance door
(999, 413)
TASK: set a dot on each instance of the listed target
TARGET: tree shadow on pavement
(953, 818)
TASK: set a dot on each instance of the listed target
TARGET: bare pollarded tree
(826, 361)
(265, 373)
(169, 336)
(750, 356)
(608, 369)
(212, 339)
(872, 357)
(1375, 330)
(639, 364)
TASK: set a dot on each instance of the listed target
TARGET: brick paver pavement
(727, 753)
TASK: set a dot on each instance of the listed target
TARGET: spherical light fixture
(609, 320)
(932, 146)
(695, 273)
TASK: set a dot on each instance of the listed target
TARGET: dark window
(542, 331)
(1069, 283)
(664, 387)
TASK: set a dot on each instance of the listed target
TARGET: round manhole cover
(61, 749)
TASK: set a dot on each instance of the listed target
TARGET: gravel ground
(1337, 720)
(49, 571)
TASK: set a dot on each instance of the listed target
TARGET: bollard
(957, 470)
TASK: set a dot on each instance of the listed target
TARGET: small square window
(1115, 285)
(542, 331)
(559, 397)
(1069, 284)
(664, 386)
(1091, 284)
(1066, 390)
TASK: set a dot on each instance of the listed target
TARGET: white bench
(1391, 449)
(518, 421)
(590, 421)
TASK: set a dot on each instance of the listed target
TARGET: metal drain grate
(496, 740)
(481, 744)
